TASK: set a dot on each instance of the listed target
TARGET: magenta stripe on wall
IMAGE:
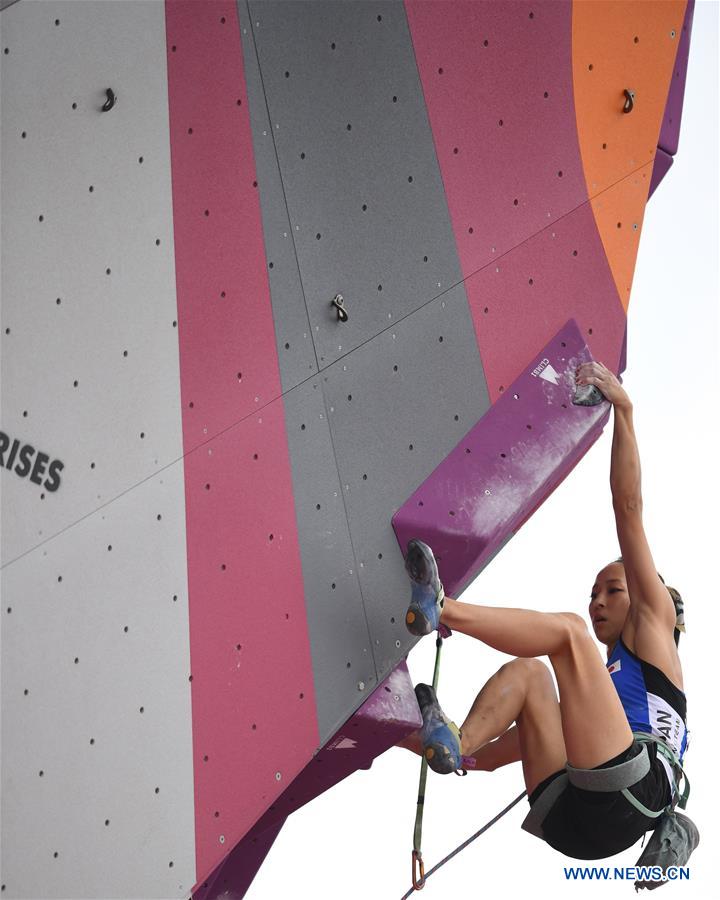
(250, 652)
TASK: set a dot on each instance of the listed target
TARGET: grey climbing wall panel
(390, 250)
(393, 420)
(342, 657)
(295, 348)
(352, 155)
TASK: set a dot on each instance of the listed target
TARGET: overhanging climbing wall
(201, 460)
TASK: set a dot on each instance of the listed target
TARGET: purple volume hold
(506, 465)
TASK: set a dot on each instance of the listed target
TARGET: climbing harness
(614, 778)
(678, 797)
(674, 836)
(622, 776)
(467, 762)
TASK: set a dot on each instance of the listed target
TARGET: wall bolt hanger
(110, 102)
(338, 304)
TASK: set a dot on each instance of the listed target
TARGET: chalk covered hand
(604, 380)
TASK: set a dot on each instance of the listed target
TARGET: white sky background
(355, 841)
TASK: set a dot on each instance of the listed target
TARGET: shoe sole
(441, 758)
(420, 563)
(422, 568)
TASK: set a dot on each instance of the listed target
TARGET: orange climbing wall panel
(618, 45)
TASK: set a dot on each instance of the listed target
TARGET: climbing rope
(419, 883)
(463, 845)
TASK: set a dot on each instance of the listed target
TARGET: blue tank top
(652, 703)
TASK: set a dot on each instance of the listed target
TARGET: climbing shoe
(428, 596)
(439, 736)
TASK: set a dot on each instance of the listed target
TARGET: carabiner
(417, 857)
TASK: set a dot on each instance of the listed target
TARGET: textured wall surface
(200, 460)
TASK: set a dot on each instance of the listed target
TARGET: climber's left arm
(650, 601)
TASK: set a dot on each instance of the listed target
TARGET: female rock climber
(591, 726)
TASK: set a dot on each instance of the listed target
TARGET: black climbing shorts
(594, 825)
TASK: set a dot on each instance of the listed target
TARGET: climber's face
(609, 603)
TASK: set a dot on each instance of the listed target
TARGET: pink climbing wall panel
(522, 298)
(506, 141)
(246, 592)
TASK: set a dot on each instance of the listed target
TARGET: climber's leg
(594, 724)
(521, 691)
